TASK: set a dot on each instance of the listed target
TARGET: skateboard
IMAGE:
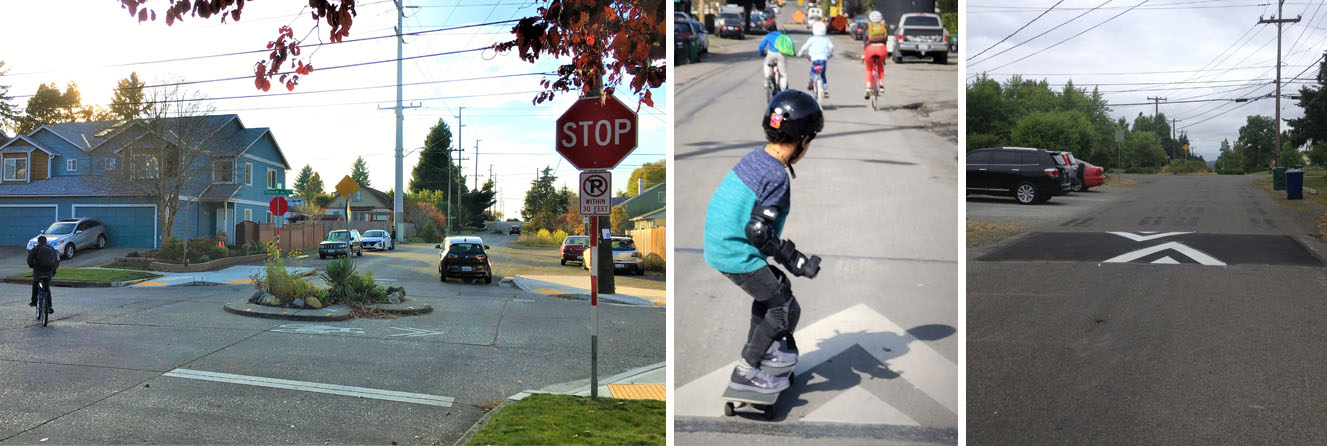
(735, 400)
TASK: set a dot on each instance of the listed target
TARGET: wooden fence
(651, 241)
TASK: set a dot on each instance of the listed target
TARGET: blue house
(116, 172)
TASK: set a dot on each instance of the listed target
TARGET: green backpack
(784, 45)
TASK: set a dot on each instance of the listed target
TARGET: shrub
(253, 248)
(172, 250)
(559, 236)
(276, 279)
(429, 234)
(345, 286)
(201, 246)
(654, 262)
(218, 252)
(206, 258)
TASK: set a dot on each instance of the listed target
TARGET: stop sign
(278, 206)
(591, 135)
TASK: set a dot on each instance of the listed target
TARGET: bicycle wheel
(44, 304)
(875, 96)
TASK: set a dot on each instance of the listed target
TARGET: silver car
(378, 240)
(921, 35)
(625, 257)
(70, 235)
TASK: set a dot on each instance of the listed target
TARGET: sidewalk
(235, 275)
(640, 383)
(578, 287)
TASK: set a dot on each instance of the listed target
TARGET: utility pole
(398, 224)
(1278, 20)
(460, 147)
(1156, 109)
(476, 164)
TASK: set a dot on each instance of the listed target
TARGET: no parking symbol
(595, 199)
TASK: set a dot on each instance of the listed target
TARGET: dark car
(464, 257)
(514, 230)
(1029, 175)
(858, 27)
(757, 21)
(573, 248)
(341, 243)
(683, 40)
(730, 24)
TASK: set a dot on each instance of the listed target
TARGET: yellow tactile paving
(660, 303)
(150, 284)
(638, 391)
(240, 281)
(548, 291)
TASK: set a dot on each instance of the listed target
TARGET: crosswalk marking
(856, 405)
(389, 395)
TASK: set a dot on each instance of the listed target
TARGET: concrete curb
(465, 438)
(329, 313)
(523, 284)
(78, 283)
(581, 387)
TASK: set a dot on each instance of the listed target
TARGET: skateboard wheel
(728, 409)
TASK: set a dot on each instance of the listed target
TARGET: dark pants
(774, 313)
(45, 281)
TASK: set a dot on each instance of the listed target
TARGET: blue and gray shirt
(757, 179)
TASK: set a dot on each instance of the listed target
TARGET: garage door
(25, 222)
(126, 226)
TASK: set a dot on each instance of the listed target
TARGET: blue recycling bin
(1294, 185)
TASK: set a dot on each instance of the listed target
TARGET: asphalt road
(875, 198)
(98, 373)
(1163, 346)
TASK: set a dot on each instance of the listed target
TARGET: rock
(313, 303)
(270, 300)
(393, 299)
(257, 297)
(298, 303)
(395, 295)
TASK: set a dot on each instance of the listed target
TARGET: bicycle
(875, 85)
(818, 78)
(772, 83)
(43, 301)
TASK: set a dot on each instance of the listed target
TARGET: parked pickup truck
(920, 35)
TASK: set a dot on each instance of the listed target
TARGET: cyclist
(44, 260)
(782, 45)
(743, 227)
(819, 49)
(876, 51)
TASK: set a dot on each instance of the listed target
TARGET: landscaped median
(88, 277)
(566, 419)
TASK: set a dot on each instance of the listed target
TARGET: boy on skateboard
(742, 228)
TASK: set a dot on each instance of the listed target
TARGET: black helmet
(791, 116)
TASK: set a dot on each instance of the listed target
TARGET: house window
(269, 217)
(661, 197)
(146, 167)
(112, 163)
(379, 217)
(223, 172)
(248, 215)
(71, 165)
(248, 174)
(16, 169)
(271, 178)
(356, 195)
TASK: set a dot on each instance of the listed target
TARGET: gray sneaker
(756, 380)
(778, 357)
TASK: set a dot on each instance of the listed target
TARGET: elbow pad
(760, 232)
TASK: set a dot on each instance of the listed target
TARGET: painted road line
(885, 341)
(856, 405)
(1146, 236)
(414, 332)
(638, 391)
(379, 394)
(316, 329)
(1196, 255)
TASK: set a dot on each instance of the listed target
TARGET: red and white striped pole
(594, 308)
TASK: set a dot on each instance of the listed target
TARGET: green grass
(94, 275)
(538, 244)
(566, 419)
(133, 266)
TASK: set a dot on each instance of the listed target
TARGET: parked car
(920, 36)
(702, 37)
(728, 24)
(757, 22)
(514, 230)
(625, 257)
(72, 234)
(1067, 160)
(464, 257)
(341, 243)
(1090, 175)
(1029, 175)
(858, 27)
(683, 40)
(573, 248)
(379, 240)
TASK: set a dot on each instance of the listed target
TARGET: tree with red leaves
(607, 40)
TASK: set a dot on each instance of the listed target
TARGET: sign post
(595, 134)
(278, 206)
(347, 187)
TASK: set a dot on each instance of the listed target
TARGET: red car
(1093, 176)
(573, 248)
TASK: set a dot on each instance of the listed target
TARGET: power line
(1038, 35)
(1025, 25)
(1072, 37)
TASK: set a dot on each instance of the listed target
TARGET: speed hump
(595, 197)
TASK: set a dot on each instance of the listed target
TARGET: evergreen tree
(302, 183)
(359, 172)
(128, 102)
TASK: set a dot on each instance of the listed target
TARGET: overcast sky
(1222, 38)
(78, 40)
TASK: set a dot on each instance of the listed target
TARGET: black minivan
(1029, 175)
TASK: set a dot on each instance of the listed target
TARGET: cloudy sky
(1182, 50)
(95, 43)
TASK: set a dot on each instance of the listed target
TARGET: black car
(730, 24)
(464, 257)
(514, 230)
(1029, 175)
(341, 243)
(858, 27)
